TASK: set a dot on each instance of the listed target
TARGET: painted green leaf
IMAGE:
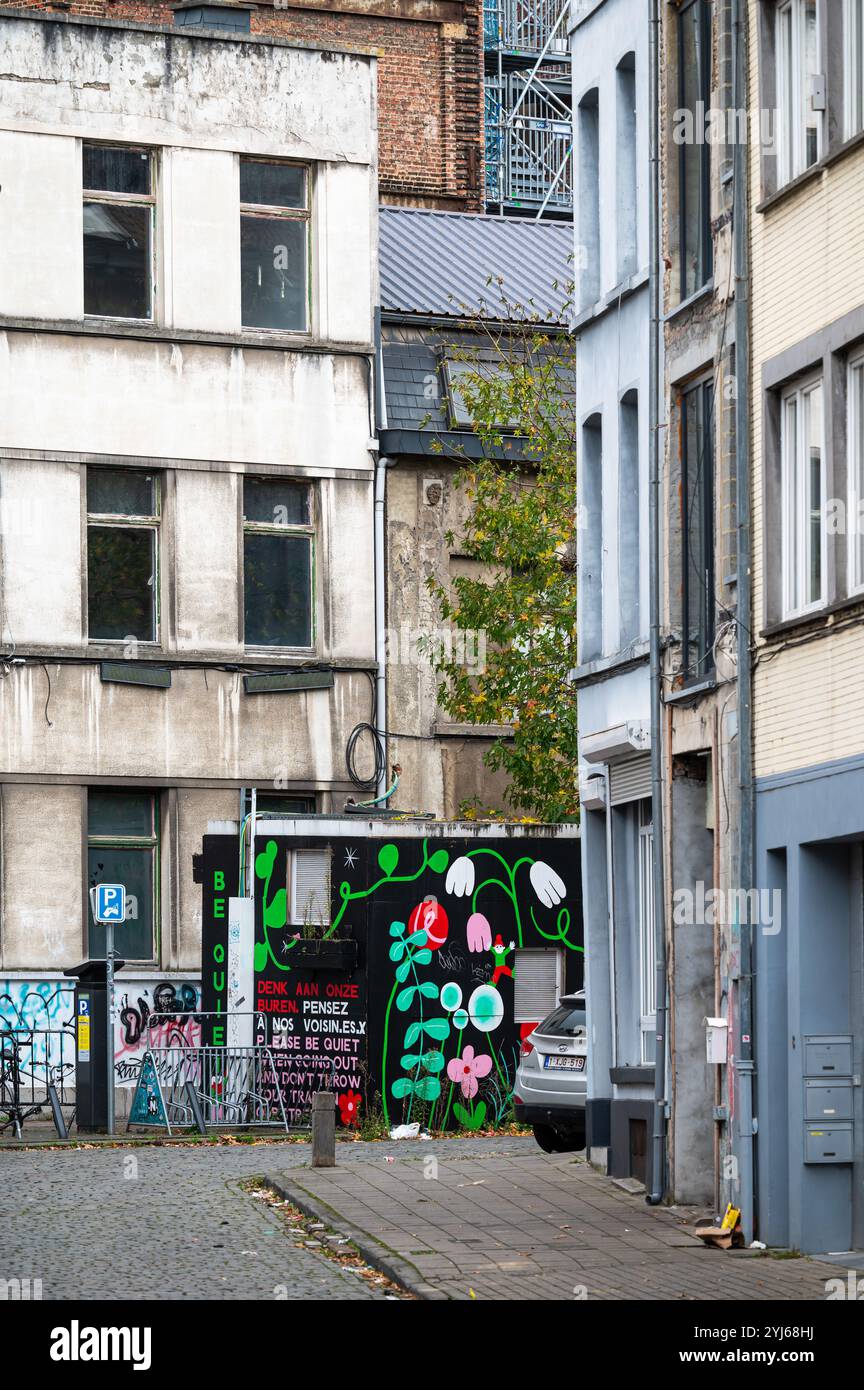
(397, 950)
(412, 1034)
(437, 1028)
(428, 1088)
(422, 957)
(467, 1119)
(388, 858)
(265, 860)
(410, 1061)
(397, 928)
(429, 990)
(403, 971)
(439, 861)
(403, 1087)
(260, 958)
(433, 1061)
(276, 911)
(417, 939)
(405, 998)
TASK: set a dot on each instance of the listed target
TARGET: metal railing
(525, 26)
(37, 1072)
(223, 1087)
(529, 145)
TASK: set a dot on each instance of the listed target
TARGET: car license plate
(569, 1063)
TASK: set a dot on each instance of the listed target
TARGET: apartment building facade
(609, 45)
(807, 232)
(187, 234)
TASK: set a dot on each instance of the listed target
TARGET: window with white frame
(309, 887)
(855, 472)
(802, 465)
(853, 66)
(647, 955)
(799, 122)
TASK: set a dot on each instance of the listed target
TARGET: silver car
(551, 1082)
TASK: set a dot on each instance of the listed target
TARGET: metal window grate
(630, 780)
(537, 980)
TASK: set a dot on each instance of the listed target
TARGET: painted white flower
(549, 887)
(485, 1008)
(460, 877)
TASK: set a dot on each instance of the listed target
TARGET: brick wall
(430, 86)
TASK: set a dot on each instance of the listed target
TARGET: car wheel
(547, 1138)
(570, 1143)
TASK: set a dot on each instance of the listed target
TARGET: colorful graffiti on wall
(424, 1027)
(163, 1014)
(47, 1007)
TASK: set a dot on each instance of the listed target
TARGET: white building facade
(187, 281)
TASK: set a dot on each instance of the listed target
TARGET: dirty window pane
(117, 260)
(272, 185)
(273, 273)
(119, 814)
(277, 579)
(108, 170)
(275, 503)
(133, 940)
(120, 582)
(120, 492)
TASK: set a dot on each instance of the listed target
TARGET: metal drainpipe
(744, 1139)
(382, 463)
(610, 918)
(658, 1138)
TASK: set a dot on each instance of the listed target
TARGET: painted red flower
(349, 1108)
(430, 917)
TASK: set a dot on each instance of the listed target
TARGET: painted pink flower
(466, 1069)
(479, 933)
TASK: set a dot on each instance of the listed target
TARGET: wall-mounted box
(828, 1101)
(828, 1144)
(828, 1055)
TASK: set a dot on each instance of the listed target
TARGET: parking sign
(109, 902)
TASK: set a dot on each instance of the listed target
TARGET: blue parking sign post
(108, 901)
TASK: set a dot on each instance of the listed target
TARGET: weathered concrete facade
(203, 405)
(699, 580)
(429, 82)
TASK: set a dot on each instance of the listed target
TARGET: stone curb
(395, 1268)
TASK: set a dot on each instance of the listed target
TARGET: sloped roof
(440, 263)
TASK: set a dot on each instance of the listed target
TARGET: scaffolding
(528, 117)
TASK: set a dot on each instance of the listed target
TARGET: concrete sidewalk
(530, 1227)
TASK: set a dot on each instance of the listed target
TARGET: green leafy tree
(518, 386)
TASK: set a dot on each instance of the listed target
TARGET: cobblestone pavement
(164, 1223)
(531, 1226)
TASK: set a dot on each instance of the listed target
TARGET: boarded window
(538, 984)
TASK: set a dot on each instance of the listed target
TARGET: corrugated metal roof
(440, 263)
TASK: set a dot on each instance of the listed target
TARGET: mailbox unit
(828, 1098)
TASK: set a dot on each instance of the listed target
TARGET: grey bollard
(323, 1130)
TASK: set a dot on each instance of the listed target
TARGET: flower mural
(549, 886)
(466, 1069)
(451, 997)
(486, 1008)
(349, 1107)
(479, 932)
(460, 877)
(430, 917)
